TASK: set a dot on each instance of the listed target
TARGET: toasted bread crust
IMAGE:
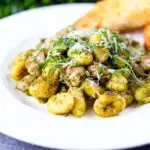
(120, 15)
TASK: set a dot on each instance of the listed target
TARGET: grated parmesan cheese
(111, 70)
(80, 33)
(78, 46)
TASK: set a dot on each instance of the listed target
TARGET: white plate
(24, 119)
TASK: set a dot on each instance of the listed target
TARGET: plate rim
(33, 142)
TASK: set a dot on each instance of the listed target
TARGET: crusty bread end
(118, 15)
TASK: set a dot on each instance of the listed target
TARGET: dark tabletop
(8, 143)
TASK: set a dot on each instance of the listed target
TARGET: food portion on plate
(78, 67)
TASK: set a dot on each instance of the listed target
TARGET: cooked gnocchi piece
(24, 83)
(79, 57)
(142, 94)
(117, 83)
(109, 104)
(61, 103)
(41, 88)
(79, 107)
(91, 88)
(18, 69)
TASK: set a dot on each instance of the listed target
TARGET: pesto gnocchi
(78, 67)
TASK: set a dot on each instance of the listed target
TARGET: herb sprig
(130, 69)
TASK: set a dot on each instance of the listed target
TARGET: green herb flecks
(122, 70)
(60, 61)
(130, 68)
(100, 71)
(101, 68)
(112, 42)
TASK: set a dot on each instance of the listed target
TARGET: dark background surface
(8, 7)
(8, 143)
